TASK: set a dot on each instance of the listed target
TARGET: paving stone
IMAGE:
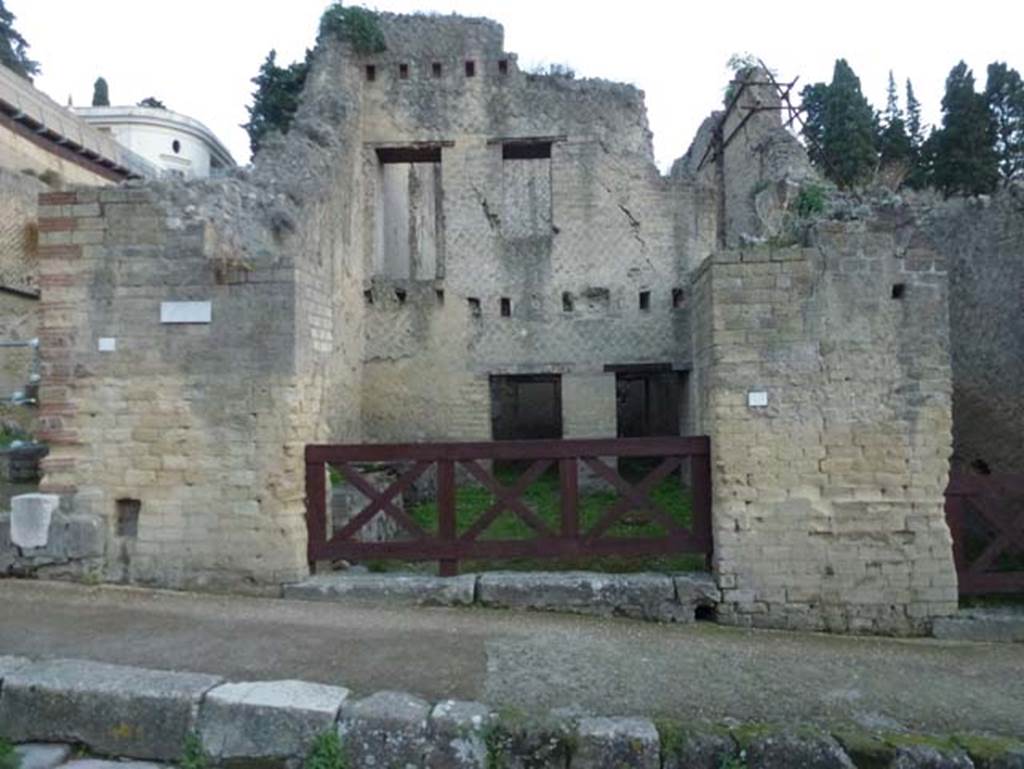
(623, 743)
(697, 750)
(113, 709)
(30, 519)
(386, 729)
(928, 757)
(458, 732)
(37, 755)
(398, 589)
(980, 625)
(267, 719)
(642, 596)
(785, 751)
(95, 763)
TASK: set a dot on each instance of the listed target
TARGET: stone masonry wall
(569, 241)
(983, 239)
(828, 506)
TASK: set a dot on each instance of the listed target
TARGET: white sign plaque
(757, 399)
(107, 344)
(185, 312)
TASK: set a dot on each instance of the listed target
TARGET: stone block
(695, 750)
(928, 757)
(95, 763)
(385, 729)
(516, 742)
(458, 733)
(30, 519)
(979, 625)
(41, 755)
(8, 666)
(624, 743)
(391, 589)
(113, 709)
(697, 589)
(784, 751)
(266, 719)
(642, 596)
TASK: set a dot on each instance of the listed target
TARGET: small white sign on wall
(185, 312)
(757, 399)
(107, 344)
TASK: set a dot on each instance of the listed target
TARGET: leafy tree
(153, 102)
(894, 147)
(965, 156)
(841, 125)
(14, 48)
(100, 93)
(276, 98)
(1004, 94)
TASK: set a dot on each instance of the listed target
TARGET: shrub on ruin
(192, 754)
(9, 758)
(356, 25)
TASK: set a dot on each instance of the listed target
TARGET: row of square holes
(643, 301)
(435, 69)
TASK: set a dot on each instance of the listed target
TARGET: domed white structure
(179, 145)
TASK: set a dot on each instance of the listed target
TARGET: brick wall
(828, 506)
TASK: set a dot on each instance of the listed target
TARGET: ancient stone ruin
(441, 236)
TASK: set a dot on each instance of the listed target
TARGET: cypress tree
(813, 104)
(100, 93)
(894, 145)
(848, 135)
(965, 157)
(1004, 94)
(14, 48)
(918, 176)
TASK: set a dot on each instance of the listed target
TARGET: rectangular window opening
(413, 154)
(400, 295)
(502, 66)
(898, 290)
(435, 68)
(128, 517)
(403, 71)
(525, 150)
(470, 68)
(474, 306)
(506, 307)
(567, 302)
(678, 298)
(368, 296)
(439, 293)
(371, 73)
(645, 300)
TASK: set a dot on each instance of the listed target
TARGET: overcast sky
(198, 56)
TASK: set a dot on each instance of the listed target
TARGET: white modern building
(177, 144)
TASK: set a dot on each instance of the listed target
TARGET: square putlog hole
(128, 517)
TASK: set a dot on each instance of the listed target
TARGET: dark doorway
(526, 407)
(647, 403)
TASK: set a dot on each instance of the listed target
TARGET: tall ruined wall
(828, 506)
(185, 440)
(570, 241)
(983, 240)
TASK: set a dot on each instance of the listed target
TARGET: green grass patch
(9, 758)
(544, 499)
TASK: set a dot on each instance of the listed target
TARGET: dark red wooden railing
(571, 539)
(985, 514)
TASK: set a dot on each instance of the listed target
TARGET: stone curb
(121, 711)
(647, 596)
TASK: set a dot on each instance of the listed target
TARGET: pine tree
(100, 93)
(14, 48)
(840, 128)
(894, 145)
(276, 98)
(965, 157)
(1004, 94)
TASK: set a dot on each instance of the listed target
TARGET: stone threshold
(149, 715)
(680, 598)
